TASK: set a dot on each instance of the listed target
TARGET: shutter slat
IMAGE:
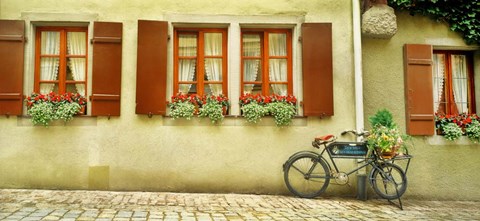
(317, 66)
(151, 67)
(418, 89)
(106, 69)
(12, 43)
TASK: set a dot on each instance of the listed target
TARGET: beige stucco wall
(134, 152)
(440, 169)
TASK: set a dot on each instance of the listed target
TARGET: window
(453, 84)
(200, 57)
(266, 61)
(61, 60)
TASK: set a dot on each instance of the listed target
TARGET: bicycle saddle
(325, 139)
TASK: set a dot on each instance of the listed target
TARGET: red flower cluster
(462, 120)
(52, 97)
(260, 99)
(198, 100)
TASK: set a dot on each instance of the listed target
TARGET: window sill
(438, 140)
(25, 121)
(230, 120)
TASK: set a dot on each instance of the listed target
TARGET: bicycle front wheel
(389, 181)
(306, 175)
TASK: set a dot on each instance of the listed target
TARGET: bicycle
(307, 174)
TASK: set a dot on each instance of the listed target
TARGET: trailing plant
(256, 106)
(253, 111)
(182, 109)
(451, 131)
(213, 108)
(44, 108)
(282, 112)
(473, 131)
(461, 15)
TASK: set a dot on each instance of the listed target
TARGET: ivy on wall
(463, 16)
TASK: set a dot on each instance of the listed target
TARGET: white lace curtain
(50, 45)
(213, 66)
(438, 79)
(460, 82)
(251, 48)
(187, 46)
(76, 45)
(278, 67)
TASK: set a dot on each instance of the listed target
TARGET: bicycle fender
(301, 152)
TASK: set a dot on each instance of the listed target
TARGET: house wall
(134, 152)
(439, 169)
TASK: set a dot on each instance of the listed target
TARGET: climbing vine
(463, 16)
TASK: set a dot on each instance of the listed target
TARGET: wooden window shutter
(106, 68)
(317, 66)
(418, 89)
(12, 42)
(151, 67)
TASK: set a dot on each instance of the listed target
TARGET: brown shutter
(151, 67)
(12, 41)
(317, 66)
(106, 68)
(418, 89)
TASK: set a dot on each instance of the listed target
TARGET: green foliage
(463, 16)
(452, 131)
(42, 113)
(212, 109)
(253, 112)
(473, 131)
(283, 112)
(182, 109)
(383, 117)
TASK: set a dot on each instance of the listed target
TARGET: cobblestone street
(99, 205)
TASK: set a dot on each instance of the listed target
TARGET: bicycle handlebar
(354, 132)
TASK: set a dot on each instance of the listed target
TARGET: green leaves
(462, 16)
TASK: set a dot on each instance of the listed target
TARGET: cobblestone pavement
(98, 205)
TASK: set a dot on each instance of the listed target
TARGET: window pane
(439, 82)
(460, 82)
(187, 70)
(277, 44)
(252, 89)
(213, 44)
(278, 70)
(187, 45)
(46, 88)
(251, 45)
(187, 88)
(280, 89)
(76, 43)
(213, 69)
(49, 69)
(50, 43)
(252, 70)
(215, 89)
(76, 88)
(76, 69)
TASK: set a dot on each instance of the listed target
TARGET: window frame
(449, 101)
(63, 56)
(200, 59)
(264, 58)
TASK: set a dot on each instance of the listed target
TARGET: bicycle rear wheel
(306, 175)
(390, 182)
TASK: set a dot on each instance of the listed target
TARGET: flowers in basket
(44, 108)
(385, 137)
(282, 108)
(453, 126)
(184, 105)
